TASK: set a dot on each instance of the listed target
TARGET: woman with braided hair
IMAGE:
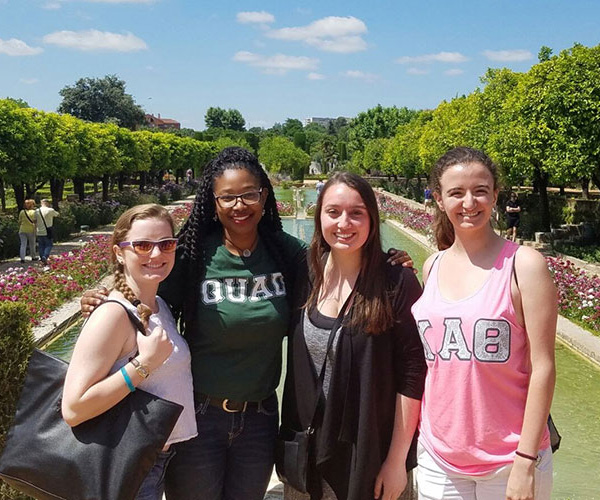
(111, 359)
(231, 288)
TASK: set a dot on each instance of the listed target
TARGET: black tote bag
(104, 458)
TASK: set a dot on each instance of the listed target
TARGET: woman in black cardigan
(375, 368)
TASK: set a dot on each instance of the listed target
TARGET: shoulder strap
(134, 319)
(336, 325)
(27, 215)
(44, 220)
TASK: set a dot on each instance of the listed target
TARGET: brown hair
(442, 227)
(372, 309)
(29, 204)
(122, 227)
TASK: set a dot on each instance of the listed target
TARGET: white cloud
(279, 64)
(52, 5)
(261, 17)
(29, 81)
(15, 47)
(417, 71)
(94, 40)
(330, 34)
(453, 72)
(315, 76)
(361, 75)
(121, 1)
(508, 55)
(443, 57)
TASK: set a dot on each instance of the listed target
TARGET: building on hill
(162, 123)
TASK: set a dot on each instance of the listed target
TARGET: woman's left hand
(391, 480)
(521, 484)
(397, 257)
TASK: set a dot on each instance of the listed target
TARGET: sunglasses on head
(145, 247)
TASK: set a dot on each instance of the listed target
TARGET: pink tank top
(478, 372)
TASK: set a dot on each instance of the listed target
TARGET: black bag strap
(43, 220)
(336, 326)
(27, 215)
(134, 319)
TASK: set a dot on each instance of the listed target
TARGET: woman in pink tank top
(487, 320)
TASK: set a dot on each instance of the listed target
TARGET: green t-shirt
(242, 318)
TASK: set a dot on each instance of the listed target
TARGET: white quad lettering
(260, 291)
(231, 284)
(211, 292)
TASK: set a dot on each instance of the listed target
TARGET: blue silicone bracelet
(127, 379)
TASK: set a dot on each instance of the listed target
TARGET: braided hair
(203, 221)
(122, 228)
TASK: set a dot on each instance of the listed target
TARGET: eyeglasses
(230, 200)
(145, 247)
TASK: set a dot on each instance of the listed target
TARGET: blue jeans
(44, 246)
(231, 458)
(153, 486)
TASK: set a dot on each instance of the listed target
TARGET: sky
(274, 60)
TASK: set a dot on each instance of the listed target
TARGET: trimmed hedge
(16, 344)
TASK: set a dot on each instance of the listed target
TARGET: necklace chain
(246, 252)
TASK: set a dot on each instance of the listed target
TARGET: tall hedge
(16, 344)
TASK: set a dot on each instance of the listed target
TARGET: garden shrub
(65, 224)
(9, 236)
(16, 344)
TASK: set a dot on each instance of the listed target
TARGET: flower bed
(285, 208)
(416, 219)
(578, 293)
(43, 290)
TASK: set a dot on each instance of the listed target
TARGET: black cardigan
(354, 428)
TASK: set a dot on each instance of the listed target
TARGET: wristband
(525, 455)
(127, 379)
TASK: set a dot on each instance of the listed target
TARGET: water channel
(576, 406)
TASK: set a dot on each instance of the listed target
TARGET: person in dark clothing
(375, 368)
(513, 217)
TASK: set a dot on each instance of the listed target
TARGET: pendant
(246, 253)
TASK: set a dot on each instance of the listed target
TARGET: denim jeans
(230, 459)
(153, 486)
(44, 246)
(25, 239)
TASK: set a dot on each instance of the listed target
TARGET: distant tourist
(428, 200)
(319, 187)
(487, 319)
(45, 229)
(189, 175)
(513, 216)
(27, 223)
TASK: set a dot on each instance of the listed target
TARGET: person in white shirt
(45, 222)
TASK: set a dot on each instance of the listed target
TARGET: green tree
(220, 118)
(22, 148)
(101, 100)
(401, 155)
(291, 127)
(377, 123)
(372, 159)
(279, 154)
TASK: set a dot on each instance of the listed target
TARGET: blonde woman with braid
(111, 359)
